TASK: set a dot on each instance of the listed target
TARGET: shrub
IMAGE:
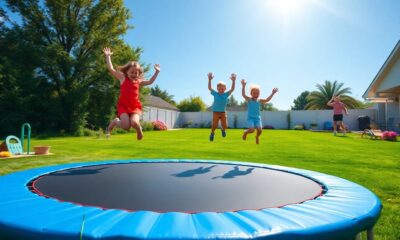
(205, 125)
(147, 126)
(89, 132)
(187, 124)
(159, 125)
(389, 135)
(120, 130)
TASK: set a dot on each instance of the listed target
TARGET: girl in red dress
(129, 107)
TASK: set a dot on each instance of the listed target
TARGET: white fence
(169, 117)
(278, 120)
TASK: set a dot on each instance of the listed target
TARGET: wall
(392, 120)
(277, 119)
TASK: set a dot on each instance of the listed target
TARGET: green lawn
(374, 164)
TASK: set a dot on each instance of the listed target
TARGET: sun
(289, 8)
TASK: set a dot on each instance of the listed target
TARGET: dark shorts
(338, 117)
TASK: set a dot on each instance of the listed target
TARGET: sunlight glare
(289, 8)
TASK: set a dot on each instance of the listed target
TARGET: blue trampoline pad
(182, 199)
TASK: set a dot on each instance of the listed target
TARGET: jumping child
(338, 110)
(253, 109)
(129, 107)
(219, 105)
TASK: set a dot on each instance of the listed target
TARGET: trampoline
(182, 199)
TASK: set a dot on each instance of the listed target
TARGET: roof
(384, 69)
(153, 101)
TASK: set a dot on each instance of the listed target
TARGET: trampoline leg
(358, 236)
(370, 234)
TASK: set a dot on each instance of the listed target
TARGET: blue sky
(289, 44)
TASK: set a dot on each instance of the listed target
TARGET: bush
(85, 132)
(89, 132)
(205, 125)
(147, 126)
(269, 127)
(119, 130)
(187, 124)
(389, 135)
(159, 126)
(192, 104)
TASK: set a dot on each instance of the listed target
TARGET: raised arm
(233, 78)
(210, 77)
(244, 90)
(118, 75)
(153, 78)
(263, 101)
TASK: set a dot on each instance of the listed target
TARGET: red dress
(129, 101)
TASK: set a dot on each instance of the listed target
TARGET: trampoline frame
(344, 210)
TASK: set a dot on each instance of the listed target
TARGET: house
(384, 90)
(156, 108)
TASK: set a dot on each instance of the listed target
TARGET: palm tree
(318, 100)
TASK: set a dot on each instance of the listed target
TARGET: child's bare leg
(250, 130)
(125, 123)
(259, 131)
(135, 123)
(113, 123)
(343, 127)
(334, 127)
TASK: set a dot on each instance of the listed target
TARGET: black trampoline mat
(177, 187)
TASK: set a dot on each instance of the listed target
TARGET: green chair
(14, 145)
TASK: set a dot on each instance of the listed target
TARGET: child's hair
(254, 86)
(124, 69)
(221, 84)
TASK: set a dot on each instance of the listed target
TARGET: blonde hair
(254, 86)
(125, 68)
(221, 84)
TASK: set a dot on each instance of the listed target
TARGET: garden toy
(372, 133)
(14, 145)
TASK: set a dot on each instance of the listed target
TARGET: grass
(374, 164)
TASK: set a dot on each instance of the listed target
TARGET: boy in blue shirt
(219, 105)
(253, 109)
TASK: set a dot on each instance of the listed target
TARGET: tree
(65, 39)
(192, 104)
(319, 99)
(232, 102)
(268, 107)
(365, 104)
(156, 91)
(301, 101)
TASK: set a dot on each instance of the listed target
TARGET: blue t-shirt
(220, 101)
(253, 109)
